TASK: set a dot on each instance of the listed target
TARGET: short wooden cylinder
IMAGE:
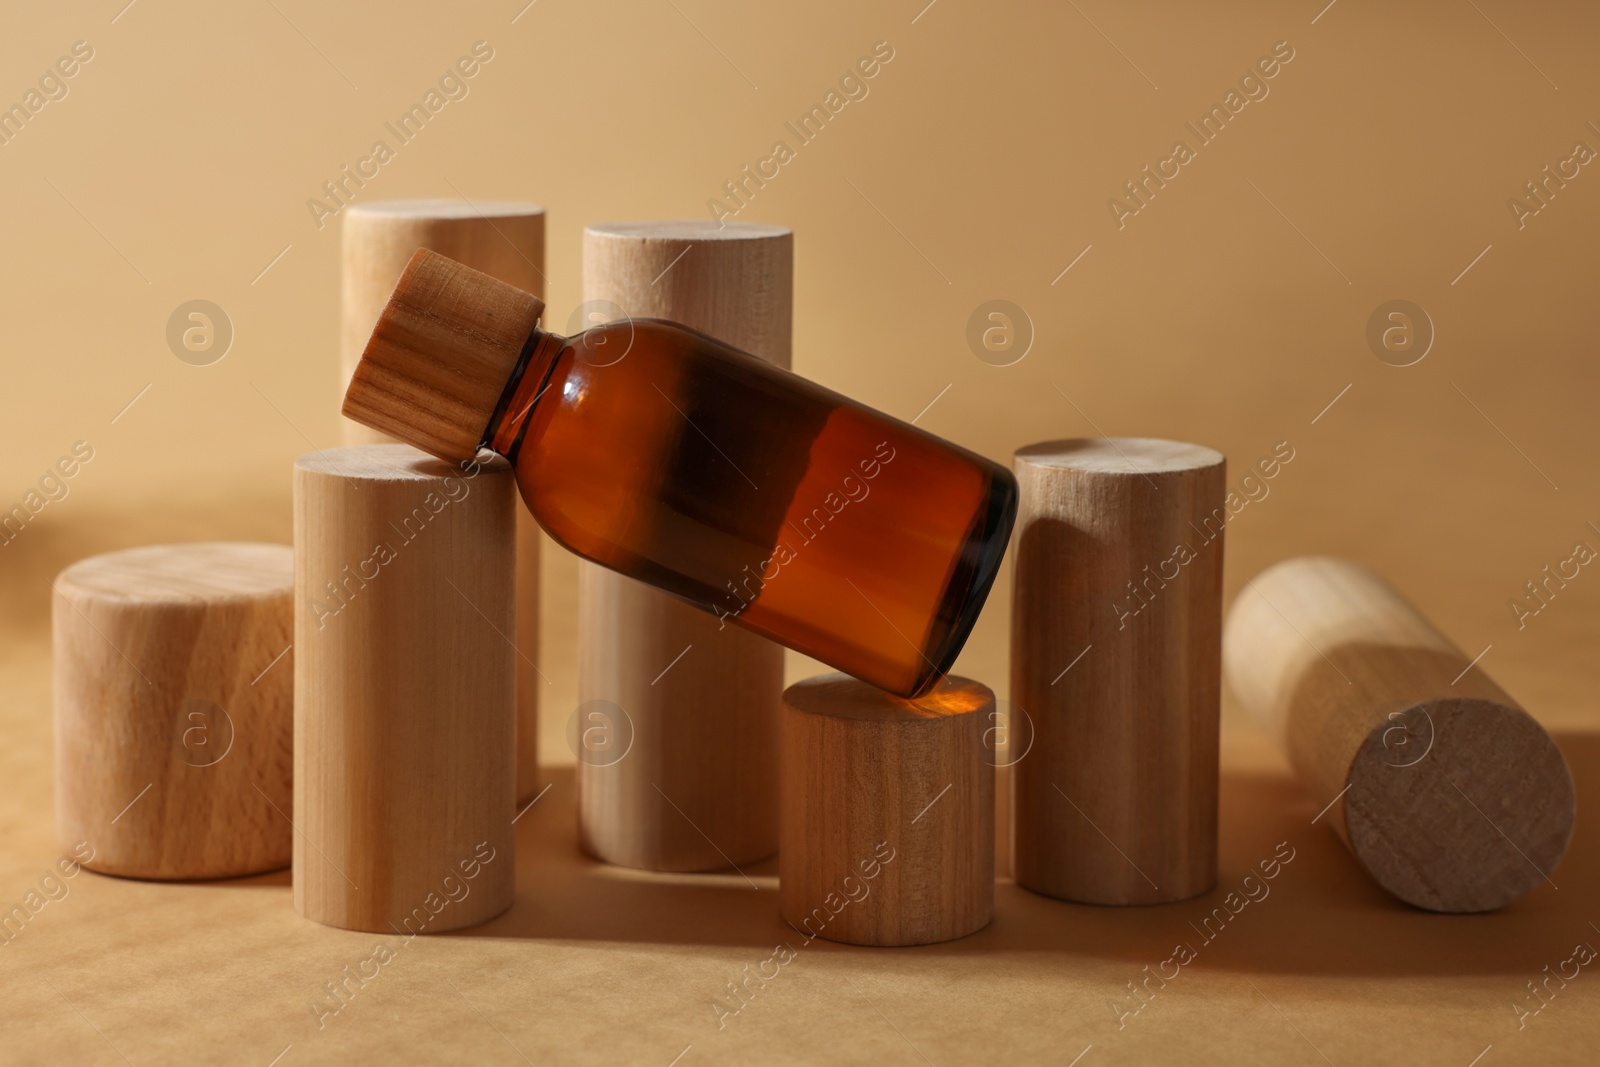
(506, 241)
(695, 787)
(174, 716)
(887, 812)
(404, 675)
(1444, 788)
(1116, 632)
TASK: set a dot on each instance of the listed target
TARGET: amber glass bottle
(678, 460)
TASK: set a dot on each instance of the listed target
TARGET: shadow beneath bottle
(566, 895)
(1320, 914)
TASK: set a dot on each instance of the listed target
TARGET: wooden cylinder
(174, 714)
(888, 812)
(404, 675)
(1116, 632)
(698, 788)
(1446, 791)
(501, 239)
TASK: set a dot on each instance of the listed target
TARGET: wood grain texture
(174, 716)
(504, 240)
(888, 812)
(698, 790)
(440, 356)
(1447, 791)
(1115, 657)
(404, 675)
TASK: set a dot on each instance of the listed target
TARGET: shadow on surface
(1322, 914)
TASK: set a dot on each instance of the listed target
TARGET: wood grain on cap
(441, 355)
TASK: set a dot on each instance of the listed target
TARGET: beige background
(1230, 311)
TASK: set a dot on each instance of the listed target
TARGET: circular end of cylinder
(1460, 805)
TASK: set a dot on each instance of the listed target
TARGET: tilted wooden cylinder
(174, 713)
(504, 240)
(697, 700)
(404, 673)
(1446, 791)
(888, 812)
(1115, 663)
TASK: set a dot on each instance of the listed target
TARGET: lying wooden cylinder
(1446, 791)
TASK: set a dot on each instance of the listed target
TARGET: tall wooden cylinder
(698, 789)
(1116, 633)
(404, 703)
(888, 812)
(501, 239)
(174, 710)
(1446, 791)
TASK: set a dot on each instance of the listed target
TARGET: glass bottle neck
(529, 379)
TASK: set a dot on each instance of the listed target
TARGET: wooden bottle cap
(504, 239)
(441, 355)
(1450, 794)
(887, 825)
(1115, 666)
(404, 703)
(174, 717)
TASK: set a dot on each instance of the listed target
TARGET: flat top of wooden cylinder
(445, 209)
(688, 230)
(1121, 455)
(844, 697)
(206, 571)
(393, 463)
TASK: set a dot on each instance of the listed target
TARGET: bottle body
(754, 494)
